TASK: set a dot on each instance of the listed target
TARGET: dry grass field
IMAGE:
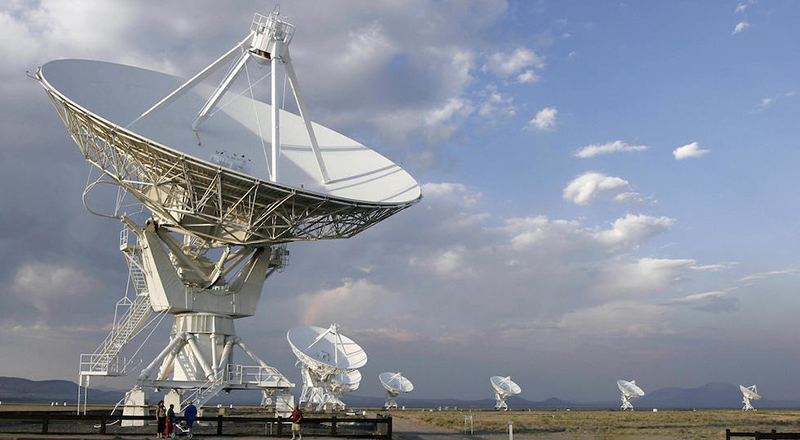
(606, 424)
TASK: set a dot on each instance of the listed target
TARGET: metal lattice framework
(201, 199)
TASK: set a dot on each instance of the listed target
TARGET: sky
(609, 190)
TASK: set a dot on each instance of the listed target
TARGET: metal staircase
(104, 360)
(206, 392)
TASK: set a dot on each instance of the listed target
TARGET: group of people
(165, 419)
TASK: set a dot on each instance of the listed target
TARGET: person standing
(297, 415)
(190, 413)
(170, 419)
(161, 419)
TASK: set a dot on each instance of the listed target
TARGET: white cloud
(741, 26)
(528, 77)
(452, 191)
(632, 229)
(450, 264)
(508, 64)
(689, 151)
(713, 302)
(496, 104)
(607, 148)
(699, 297)
(352, 301)
(641, 279)
(713, 267)
(545, 120)
(590, 186)
(761, 275)
(629, 199)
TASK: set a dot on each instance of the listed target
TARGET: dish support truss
(626, 402)
(500, 401)
(176, 278)
(391, 399)
(746, 398)
(321, 390)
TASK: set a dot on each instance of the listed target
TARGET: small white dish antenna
(322, 354)
(503, 388)
(395, 385)
(629, 391)
(748, 394)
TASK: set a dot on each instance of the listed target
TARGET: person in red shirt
(297, 415)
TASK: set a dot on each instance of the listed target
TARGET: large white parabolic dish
(629, 388)
(504, 386)
(224, 161)
(750, 393)
(325, 349)
(395, 382)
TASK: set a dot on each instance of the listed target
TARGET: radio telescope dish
(629, 391)
(503, 388)
(226, 181)
(395, 385)
(343, 383)
(322, 354)
(748, 394)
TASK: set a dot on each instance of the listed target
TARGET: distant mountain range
(712, 395)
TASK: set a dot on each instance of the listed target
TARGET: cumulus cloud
(450, 264)
(507, 64)
(353, 300)
(496, 104)
(528, 77)
(545, 120)
(607, 148)
(590, 186)
(741, 26)
(452, 191)
(633, 229)
(689, 151)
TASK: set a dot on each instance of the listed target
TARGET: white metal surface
(326, 349)
(323, 354)
(395, 384)
(220, 212)
(629, 391)
(504, 387)
(748, 394)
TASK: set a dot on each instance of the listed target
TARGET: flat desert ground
(593, 424)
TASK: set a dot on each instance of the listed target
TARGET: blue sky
(608, 189)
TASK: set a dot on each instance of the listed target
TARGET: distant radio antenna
(395, 385)
(629, 391)
(503, 388)
(748, 394)
(323, 355)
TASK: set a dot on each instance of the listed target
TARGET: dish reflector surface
(506, 386)
(320, 347)
(749, 393)
(395, 382)
(629, 388)
(230, 139)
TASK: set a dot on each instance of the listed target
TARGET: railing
(105, 424)
(772, 435)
